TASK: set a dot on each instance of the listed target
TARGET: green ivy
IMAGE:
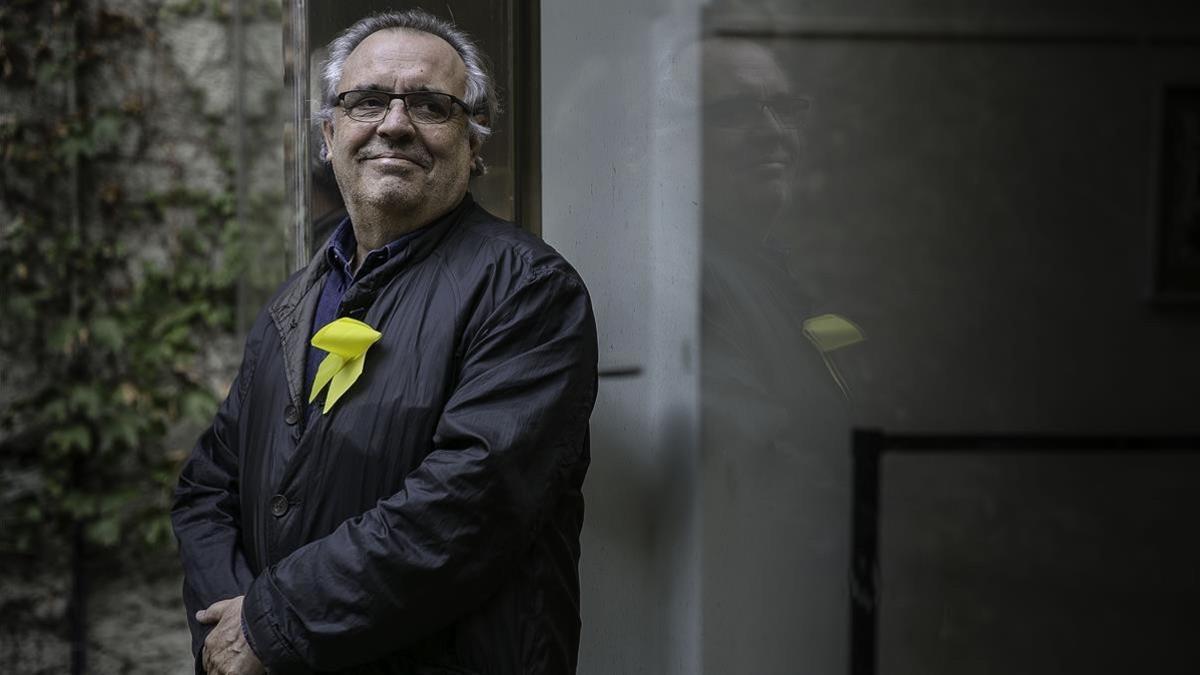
(101, 348)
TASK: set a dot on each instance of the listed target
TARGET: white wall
(620, 167)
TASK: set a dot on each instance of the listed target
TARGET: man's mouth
(773, 167)
(395, 158)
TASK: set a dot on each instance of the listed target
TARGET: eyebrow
(379, 87)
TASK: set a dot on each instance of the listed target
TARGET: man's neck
(374, 229)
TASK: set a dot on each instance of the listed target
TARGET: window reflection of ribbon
(829, 332)
(347, 341)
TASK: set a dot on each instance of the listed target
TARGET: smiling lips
(397, 155)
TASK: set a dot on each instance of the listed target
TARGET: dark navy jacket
(429, 523)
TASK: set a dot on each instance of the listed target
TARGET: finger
(216, 664)
(220, 664)
(212, 652)
(214, 611)
(218, 606)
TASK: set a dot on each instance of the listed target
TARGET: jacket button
(291, 415)
(279, 505)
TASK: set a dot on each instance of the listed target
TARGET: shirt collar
(343, 246)
(414, 245)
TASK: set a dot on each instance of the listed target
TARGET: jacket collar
(294, 309)
(292, 313)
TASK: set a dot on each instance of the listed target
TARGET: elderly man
(410, 501)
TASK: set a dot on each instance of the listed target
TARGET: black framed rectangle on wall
(1032, 554)
(507, 31)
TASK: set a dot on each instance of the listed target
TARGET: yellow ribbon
(347, 341)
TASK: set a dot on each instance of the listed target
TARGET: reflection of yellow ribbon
(830, 332)
(347, 341)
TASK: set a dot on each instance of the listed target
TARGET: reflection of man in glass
(409, 501)
(774, 416)
(752, 141)
(753, 131)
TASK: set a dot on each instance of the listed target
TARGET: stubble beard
(383, 208)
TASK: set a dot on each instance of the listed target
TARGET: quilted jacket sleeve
(206, 515)
(505, 444)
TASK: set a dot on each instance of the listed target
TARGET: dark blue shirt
(342, 276)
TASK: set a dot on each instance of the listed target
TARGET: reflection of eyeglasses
(423, 107)
(744, 112)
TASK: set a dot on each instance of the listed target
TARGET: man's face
(395, 165)
(750, 130)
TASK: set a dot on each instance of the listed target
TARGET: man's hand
(225, 649)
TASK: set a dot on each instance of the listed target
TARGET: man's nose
(772, 120)
(396, 121)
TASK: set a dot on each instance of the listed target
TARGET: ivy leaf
(198, 405)
(63, 335)
(114, 502)
(173, 320)
(20, 308)
(105, 531)
(105, 134)
(47, 73)
(177, 336)
(80, 506)
(73, 147)
(56, 410)
(107, 333)
(69, 438)
(158, 531)
(120, 432)
(86, 401)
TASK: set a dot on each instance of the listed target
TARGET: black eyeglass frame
(403, 96)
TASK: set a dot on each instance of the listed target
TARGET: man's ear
(476, 144)
(475, 141)
(327, 134)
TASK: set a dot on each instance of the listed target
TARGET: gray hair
(481, 90)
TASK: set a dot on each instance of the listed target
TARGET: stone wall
(206, 79)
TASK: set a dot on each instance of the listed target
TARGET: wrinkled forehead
(739, 67)
(401, 59)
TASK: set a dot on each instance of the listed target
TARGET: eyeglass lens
(425, 107)
(740, 112)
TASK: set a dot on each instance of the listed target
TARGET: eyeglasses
(741, 112)
(423, 107)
